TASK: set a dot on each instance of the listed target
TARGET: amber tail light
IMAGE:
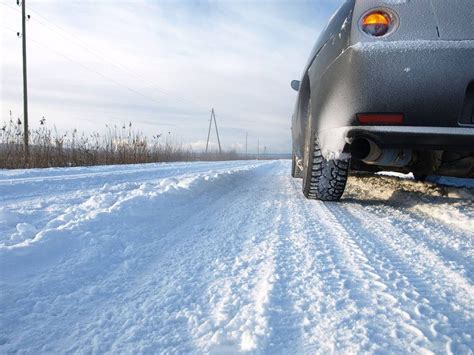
(376, 23)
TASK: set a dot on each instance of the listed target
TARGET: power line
(85, 66)
(9, 28)
(93, 71)
(79, 42)
(11, 6)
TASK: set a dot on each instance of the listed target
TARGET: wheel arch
(304, 95)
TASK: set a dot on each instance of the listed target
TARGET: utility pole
(209, 132)
(25, 85)
(217, 131)
(258, 149)
(213, 117)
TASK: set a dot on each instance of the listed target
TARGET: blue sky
(162, 65)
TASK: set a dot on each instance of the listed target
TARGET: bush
(49, 148)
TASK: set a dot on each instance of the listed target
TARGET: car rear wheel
(323, 179)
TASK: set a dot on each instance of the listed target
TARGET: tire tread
(328, 177)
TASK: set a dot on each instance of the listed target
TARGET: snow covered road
(228, 257)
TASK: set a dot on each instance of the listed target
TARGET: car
(389, 85)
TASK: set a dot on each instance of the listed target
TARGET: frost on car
(389, 85)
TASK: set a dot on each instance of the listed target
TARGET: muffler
(370, 153)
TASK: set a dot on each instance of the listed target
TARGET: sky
(162, 65)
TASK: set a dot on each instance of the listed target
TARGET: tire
(295, 170)
(323, 179)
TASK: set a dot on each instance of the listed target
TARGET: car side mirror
(295, 85)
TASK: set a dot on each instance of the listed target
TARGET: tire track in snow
(444, 321)
(311, 307)
(444, 244)
(378, 309)
(331, 322)
(240, 297)
(443, 280)
(424, 314)
(239, 301)
(285, 313)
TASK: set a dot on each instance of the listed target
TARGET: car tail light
(380, 118)
(377, 23)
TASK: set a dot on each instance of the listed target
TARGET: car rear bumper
(414, 137)
(417, 137)
(426, 81)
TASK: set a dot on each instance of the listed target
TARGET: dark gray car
(389, 85)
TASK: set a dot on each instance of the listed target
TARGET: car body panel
(455, 19)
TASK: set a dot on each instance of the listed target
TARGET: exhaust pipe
(370, 153)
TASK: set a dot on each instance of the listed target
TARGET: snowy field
(229, 256)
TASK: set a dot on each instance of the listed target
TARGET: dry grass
(120, 145)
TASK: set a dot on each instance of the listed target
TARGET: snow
(229, 257)
(418, 45)
(395, 2)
